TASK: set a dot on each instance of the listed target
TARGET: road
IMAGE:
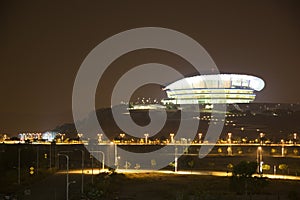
(203, 173)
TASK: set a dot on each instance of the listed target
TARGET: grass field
(149, 186)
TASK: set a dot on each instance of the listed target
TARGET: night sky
(44, 44)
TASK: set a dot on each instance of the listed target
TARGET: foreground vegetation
(180, 187)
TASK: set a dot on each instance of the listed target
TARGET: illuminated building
(212, 89)
(49, 136)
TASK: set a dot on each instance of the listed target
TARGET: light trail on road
(201, 173)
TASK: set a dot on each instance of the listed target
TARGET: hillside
(277, 121)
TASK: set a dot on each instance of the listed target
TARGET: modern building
(47, 136)
(214, 88)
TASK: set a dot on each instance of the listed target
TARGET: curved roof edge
(254, 82)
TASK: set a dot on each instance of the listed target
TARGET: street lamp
(261, 136)
(176, 159)
(37, 160)
(71, 183)
(79, 135)
(116, 155)
(295, 138)
(67, 181)
(122, 135)
(282, 147)
(103, 158)
(259, 159)
(229, 149)
(91, 156)
(99, 137)
(82, 167)
(146, 137)
(200, 137)
(229, 137)
(19, 166)
(50, 155)
(172, 137)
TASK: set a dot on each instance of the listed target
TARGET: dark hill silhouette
(277, 121)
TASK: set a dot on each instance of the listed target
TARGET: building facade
(212, 89)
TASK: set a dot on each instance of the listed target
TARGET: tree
(283, 167)
(229, 168)
(191, 163)
(171, 106)
(242, 180)
(266, 167)
(244, 169)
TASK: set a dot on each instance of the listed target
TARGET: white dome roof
(218, 81)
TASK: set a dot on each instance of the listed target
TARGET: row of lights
(172, 140)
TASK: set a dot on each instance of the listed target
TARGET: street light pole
(295, 138)
(99, 137)
(103, 159)
(282, 148)
(92, 168)
(261, 136)
(122, 135)
(67, 181)
(176, 159)
(172, 137)
(259, 159)
(229, 149)
(146, 137)
(50, 155)
(200, 137)
(37, 160)
(229, 138)
(82, 168)
(116, 155)
(19, 166)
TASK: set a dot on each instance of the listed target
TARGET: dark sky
(44, 44)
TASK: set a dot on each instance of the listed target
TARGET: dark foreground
(155, 186)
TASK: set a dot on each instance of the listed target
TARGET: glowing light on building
(211, 89)
(49, 136)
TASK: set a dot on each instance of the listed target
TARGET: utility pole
(259, 159)
(91, 156)
(50, 155)
(19, 166)
(116, 155)
(67, 180)
(176, 159)
(82, 168)
(37, 160)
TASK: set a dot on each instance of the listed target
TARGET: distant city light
(49, 136)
